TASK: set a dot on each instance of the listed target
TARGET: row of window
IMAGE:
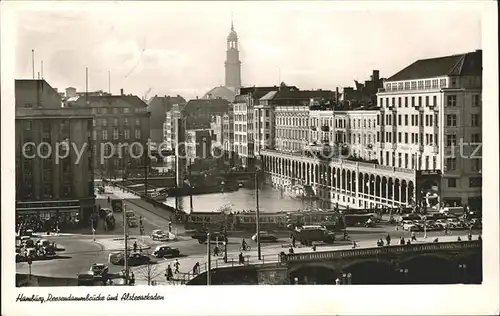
(451, 120)
(116, 121)
(116, 110)
(116, 134)
(451, 101)
(420, 84)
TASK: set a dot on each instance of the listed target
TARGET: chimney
(375, 76)
(337, 94)
(121, 91)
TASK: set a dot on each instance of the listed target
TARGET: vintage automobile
(99, 269)
(132, 222)
(159, 235)
(265, 237)
(201, 236)
(166, 251)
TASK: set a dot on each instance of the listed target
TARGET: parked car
(99, 269)
(132, 222)
(134, 259)
(129, 214)
(265, 237)
(166, 251)
(159, 235)
(442, 223)
(201, 236)
(454, 223)
(137, 259)
(407, 224)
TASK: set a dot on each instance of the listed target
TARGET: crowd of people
(37, 223)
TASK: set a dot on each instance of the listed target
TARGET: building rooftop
(220, 93)
(133, 100)
(158, 106)
(206, 105)
(456, 65)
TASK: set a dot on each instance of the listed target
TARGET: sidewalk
(268, 255)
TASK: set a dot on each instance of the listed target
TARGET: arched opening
(411, 193)
(343, 179)
(370, 272)
(397, 190)
(360, 183)
(384, 187)
(372, 185)
(348, 175)
(313, 275)
(390, 189)
(403, 191)
(377, 186)
(353, 182)
(427, 269)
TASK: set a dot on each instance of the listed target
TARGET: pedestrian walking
(354, 244)
(176, 265)
(196, 268)
(293, 241)
(135, 246)
(168, 273)
(413, 236)
(388, 239)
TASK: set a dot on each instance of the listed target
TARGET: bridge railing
(369, 252)
(216, 263)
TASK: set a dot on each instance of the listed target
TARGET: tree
(149, 271)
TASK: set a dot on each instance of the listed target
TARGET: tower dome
(232, 35)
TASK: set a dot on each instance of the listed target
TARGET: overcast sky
(179, 48)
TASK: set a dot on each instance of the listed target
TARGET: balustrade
(370, 252)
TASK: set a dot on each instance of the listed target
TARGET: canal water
(270, 200)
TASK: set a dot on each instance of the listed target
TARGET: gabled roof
(304, 94)
(159, 106)
(96, 100)
(259, 92)
(206, 105)
(269, 96)
(455, 65)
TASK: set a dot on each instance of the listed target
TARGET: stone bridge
(426, 263)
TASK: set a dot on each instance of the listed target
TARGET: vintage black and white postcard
(249, 157)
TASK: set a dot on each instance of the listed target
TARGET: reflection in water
(270, 200)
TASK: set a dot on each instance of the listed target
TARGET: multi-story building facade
(427, 110)
(243, 129)
(359, 132)
(228, 136)
(120, 135)
(158, 106)
(169, 126)
(246, 127)
(403, 154)
(198, 145)
(54, 165)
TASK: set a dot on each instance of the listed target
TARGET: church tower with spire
(233, 63)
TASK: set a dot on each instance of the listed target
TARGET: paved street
(81, 251)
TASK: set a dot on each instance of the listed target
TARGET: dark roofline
(430, 67)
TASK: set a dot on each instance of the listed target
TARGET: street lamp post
(258, 213)
(125, 237)
(425, 226)
(349, 276)
(209, 262)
